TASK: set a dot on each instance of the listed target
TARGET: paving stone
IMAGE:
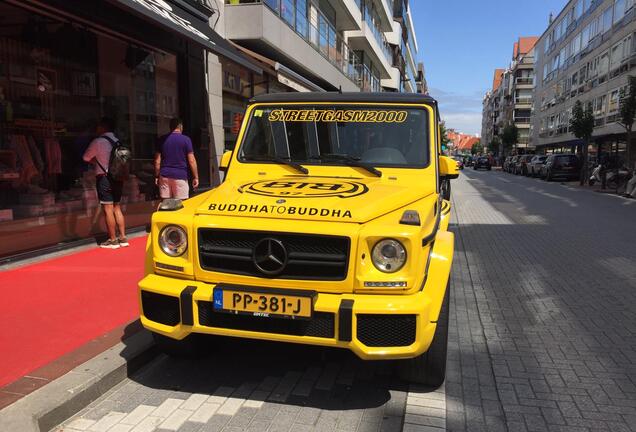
(204, 412)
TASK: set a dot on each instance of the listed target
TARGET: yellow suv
(330, 228)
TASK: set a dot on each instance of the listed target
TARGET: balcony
(371, 40)
(523, 102)
(523, 81)
(275, 29)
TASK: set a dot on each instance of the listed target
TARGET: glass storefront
(56, 80)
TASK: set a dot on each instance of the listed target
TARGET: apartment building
(586, 54)
(511, 98)
(492, 111)
(347, 44)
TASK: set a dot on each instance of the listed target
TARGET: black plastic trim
(345, 316)
(438, 217)
(185, 298)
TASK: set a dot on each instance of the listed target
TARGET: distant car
(535, 164)
(521, 167)
(560, 166)
(460, 162)
(482, 162)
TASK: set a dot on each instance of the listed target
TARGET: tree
(444, 134)
(627, 112)
(494, 145)
(477, 148)
(509, 136)
(582, 126)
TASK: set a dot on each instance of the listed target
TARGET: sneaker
(123, 242)
(110, 244)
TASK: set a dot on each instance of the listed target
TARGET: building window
(619, 10)
(607, 19)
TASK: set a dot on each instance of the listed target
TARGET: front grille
(386, 330)
(160, 308)
(309, 257)
(320, 325)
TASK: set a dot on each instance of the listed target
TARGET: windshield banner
(333, 116)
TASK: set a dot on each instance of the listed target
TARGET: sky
(462, 42)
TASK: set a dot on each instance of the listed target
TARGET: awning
(178, 20)
(285, 75)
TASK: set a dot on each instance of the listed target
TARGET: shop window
(56, 81)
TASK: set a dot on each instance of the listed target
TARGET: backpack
(119, 162)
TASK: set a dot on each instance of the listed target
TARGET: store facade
(64, 64)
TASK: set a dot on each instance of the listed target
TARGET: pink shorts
(173, 188)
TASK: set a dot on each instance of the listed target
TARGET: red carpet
(55, 306)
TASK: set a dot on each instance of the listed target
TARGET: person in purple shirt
(173, 156)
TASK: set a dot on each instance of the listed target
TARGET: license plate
(279, 304)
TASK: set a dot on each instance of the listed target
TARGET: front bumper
(372, 326)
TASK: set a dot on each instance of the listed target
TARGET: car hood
(356, 200)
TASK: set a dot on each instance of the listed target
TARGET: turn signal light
(410, 217)
(385, 284)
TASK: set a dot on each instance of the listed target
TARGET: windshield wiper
(279, 160)
(349, 161)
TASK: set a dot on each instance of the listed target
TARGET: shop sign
(163, 9)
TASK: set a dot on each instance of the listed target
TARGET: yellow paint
(335, 200)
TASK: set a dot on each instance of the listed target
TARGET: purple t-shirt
(174, 149)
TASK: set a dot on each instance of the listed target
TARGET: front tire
(445, 189)
(429, 368)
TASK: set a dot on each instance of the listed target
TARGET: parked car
(535, 164)
(482, 162)
(521, 167)
(560, 166)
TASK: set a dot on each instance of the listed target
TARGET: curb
(50, 405)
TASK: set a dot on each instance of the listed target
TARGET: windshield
(338, 135)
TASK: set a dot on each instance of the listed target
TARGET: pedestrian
(109, 191)
(173, 156)
(630, 189)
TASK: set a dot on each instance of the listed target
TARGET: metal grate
(320, 325)
(386, 330)
(310, 257)
(160, 308)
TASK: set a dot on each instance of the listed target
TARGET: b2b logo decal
(304, 189)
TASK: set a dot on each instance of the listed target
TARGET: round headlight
(173, 240)
(388, 255)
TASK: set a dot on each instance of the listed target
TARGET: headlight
(388, 255)
(173, 240)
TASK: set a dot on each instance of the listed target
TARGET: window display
(57, 80)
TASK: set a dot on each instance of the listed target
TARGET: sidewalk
(65, 309)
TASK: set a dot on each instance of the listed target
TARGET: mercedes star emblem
(270, 256)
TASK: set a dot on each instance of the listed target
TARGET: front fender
(439, 268)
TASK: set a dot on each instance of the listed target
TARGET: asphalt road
(543, 337)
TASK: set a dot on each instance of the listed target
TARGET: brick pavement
(543, 323)
(255, 386)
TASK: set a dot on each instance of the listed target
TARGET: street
(542, 337)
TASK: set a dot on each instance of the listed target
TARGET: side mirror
(448, 168)
(225, 161)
